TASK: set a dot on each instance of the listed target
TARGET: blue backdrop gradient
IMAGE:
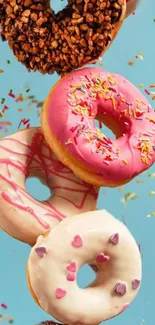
(136, 35)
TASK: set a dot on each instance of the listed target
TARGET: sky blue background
(136, 35)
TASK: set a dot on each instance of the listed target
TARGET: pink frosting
(88, 93)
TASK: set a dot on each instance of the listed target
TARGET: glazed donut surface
(94, 238)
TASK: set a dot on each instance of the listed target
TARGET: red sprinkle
(11, 95)
(4, 306)
(5, 108)
(73, 129)
(24, 121)
(147, 91)
(75, 140)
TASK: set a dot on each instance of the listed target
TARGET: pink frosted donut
(131, 6)
(68, 123)
(89, 238)
(24, 154)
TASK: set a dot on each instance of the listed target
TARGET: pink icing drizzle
(39, 158)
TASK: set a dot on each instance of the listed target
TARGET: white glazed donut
(24, 154)
(95, 238)
(131, 6)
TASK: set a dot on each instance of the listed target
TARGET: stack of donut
(74, 158)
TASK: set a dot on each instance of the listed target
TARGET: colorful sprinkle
(4, 306)
(101, 258)
(77, 241)
(135, 284)
(120, 289)
(114, 239)
(60, 293)
(40, 251)
(71, 277)
(72, 267)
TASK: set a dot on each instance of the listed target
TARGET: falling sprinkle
(3, 318)
(131, 62)
(139, 56)
(139, 181)
(2, 100)
(121, 188)
(4, 306)
(151, 193)
(128, 196)
(151, 175)
(147, 91)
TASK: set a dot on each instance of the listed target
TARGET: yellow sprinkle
(141, 53)
(1, 134)
(151, 193)
(143, 103)
(141, 86)
(123, 100)
(153, 214)
(134, 113)
(73, 90)
(107, 97)
(125, 161)
(78, 86)
(113, 102)
(118, 152)
(75, 95)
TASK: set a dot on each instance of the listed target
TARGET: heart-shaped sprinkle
(125, 306)
(40, 251)
(71, 277)
(101, 258)
(135, 284)
(77, 241)
(72, 267)
(114, 239)
(60, 293)
(120, 289)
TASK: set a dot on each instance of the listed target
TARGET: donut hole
(112, 127)
(58, 5)
(85, 276)
(105, 129)
(37, 189)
